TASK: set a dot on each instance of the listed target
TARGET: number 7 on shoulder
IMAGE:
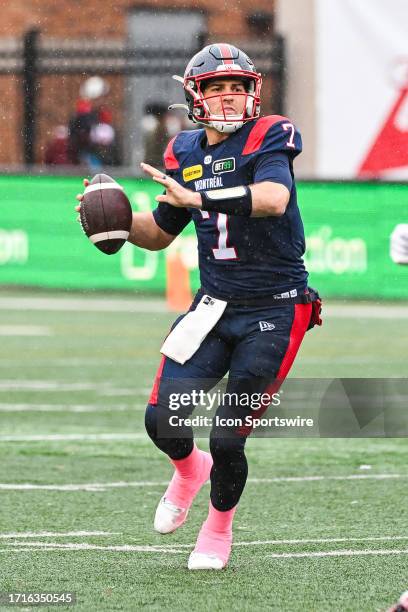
(291, 127)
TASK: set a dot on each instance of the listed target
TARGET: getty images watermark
(306, 407)
(251, 401)
(209, 401)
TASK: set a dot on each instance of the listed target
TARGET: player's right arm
(144, 233)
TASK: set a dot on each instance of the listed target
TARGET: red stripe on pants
(155, 391)
(299, 327)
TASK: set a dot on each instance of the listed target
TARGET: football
(106, 214)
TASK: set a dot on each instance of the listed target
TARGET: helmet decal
(226, 54)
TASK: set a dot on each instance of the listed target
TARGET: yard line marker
(103, 486)
(25, 330)
(55, 534)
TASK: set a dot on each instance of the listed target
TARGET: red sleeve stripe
(226, 53)
(257, 134)
(170, 160)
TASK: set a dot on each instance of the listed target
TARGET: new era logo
(208, 301)
(265, 326)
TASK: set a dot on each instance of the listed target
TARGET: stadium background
(80, 332)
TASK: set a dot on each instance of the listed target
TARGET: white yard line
(56, 385)
(55, 534)
(102, 437)
(165, 547)
(317, 478)
(82, 305)
(176, 549)
(25, 330)
(63, 303)
(366, 311)
(322, 541)
(74, 408)
(335, 553)
(103, 486)
(76, 363)
(79, 487)
(85, 546)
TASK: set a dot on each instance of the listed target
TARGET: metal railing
(35, 57)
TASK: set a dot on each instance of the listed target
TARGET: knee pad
(175, 448)
(226, 448)
(151, 421)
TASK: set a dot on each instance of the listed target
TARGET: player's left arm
(269, 199)
(259, 200)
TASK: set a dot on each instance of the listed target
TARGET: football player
(399, 244)
(234, 179)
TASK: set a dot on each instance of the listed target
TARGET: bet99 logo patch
(223, 165)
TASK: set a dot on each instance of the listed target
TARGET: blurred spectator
(159, 127)
(56, 152)
(80, 125)
(92, 137)
(94, 88)
(103, 139)
(156, 135)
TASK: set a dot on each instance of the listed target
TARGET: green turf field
(74, 381)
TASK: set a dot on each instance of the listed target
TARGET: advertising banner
(362, 89)
(347, 226)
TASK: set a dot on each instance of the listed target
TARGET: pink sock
(215, 537)
(189, 476)
(220, 520)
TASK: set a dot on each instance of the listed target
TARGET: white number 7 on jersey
(291, 127)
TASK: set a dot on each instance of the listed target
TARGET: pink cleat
(189, 476)
(401, 605)
(214, 542)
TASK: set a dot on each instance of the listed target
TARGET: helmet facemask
(199, 111)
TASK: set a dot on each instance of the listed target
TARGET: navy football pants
(255, 359)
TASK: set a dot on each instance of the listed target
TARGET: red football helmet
(215, 61)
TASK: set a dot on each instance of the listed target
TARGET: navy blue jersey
(240, 256)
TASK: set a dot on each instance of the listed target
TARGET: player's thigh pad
(261, 351)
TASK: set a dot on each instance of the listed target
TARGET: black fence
(35, 58)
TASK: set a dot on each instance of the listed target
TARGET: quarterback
(233, 178)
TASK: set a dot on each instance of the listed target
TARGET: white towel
(187, 336)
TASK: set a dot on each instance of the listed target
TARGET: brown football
(106, 214)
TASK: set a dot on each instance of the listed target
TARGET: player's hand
(79, 197)
(176, 195)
